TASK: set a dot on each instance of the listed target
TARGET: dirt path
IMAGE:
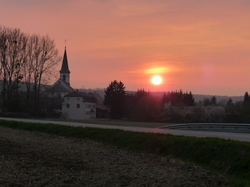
(36, 159)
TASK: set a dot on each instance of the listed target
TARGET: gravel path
(36, 159)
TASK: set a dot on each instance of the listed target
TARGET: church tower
(64, 72)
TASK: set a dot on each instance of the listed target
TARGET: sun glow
(157, 70)
(156, 80)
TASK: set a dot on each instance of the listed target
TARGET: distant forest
(174, 106)
(197, 97)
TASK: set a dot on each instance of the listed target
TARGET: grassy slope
(230, 158)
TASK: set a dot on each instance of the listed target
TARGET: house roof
(99, 101)
(61, 86)
(101, 106)
(86, 97)
(98, 98)
(65, 66)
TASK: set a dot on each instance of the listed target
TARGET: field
(75, 156)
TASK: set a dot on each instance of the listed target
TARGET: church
(76, 105)
(62, 85)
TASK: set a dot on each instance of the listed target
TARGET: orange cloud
(157, 70)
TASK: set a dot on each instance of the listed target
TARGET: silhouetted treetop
(178, 98)
(114, 98)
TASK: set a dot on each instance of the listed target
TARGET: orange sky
(195, 45)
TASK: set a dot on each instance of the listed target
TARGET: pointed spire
(65, 66)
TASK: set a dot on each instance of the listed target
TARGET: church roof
(86, 97)
(61, 86)
(65, 66)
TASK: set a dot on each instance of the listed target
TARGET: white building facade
(78, 106)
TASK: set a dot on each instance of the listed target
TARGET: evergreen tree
(188, 99)
(246, 108)
(144, 107)
(213, 101)
(229, 102)
(206, 102)
(115, 98)
(246, 97)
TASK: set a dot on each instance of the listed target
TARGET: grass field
(229, 158)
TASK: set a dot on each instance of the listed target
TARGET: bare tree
(12, 55)
(42, 57)
(26, 58)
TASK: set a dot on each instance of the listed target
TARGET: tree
(206, 102)
(24, 58)
(114, 98)
(188, 99)
(42, 58)
(231, 113)
(142, 106)
(12, 56)
(229, 102)
(246, 108)
(246, 97)
(213, 100)
(178, 98)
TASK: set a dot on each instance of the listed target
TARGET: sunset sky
(195, 45)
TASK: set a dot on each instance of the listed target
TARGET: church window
(64, 77)
(77, 105)
(68, 106)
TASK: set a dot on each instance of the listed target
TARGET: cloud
(157, 70)
(153, 68)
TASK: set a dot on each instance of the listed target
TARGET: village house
(78, 106)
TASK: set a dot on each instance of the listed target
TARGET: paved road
(222, 135)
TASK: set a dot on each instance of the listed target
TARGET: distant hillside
(100, 91)
(197, 97)
(219, 98)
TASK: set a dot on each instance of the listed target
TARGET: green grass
(227, 157)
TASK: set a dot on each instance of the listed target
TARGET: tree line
(141, 105)
(27, 59)
(174, 106)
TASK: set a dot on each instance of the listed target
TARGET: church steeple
(64, 72)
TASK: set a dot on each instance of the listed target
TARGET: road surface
(223, 135)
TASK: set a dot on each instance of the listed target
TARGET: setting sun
(156, 80)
